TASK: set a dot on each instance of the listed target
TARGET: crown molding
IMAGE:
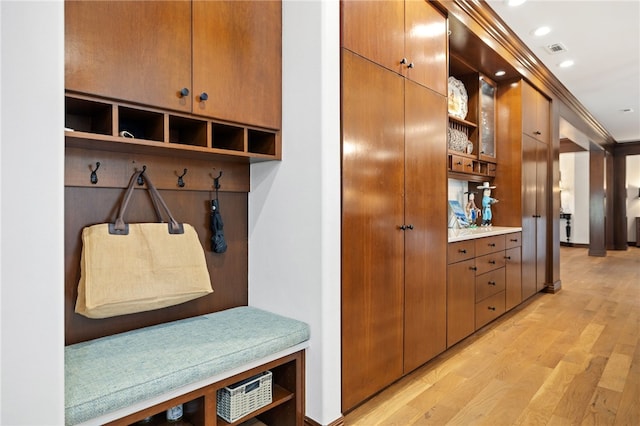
(532, 69)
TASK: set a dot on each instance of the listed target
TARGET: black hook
(216, 181)
(94, 175)
(140, 178)
(180, 180)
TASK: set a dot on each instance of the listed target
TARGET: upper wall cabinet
(406, 37)
(130, 50)
(217, 59)
(536, 115)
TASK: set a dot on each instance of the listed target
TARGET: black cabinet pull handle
(184, 92)
(403, 61)
(514, 240)
(473, 268)
(537, 132)
(409, 226)
(204, 96)
(463, 251)
(459, 163)
(493, 262)
(508, 257)
(403, 227)
(410, 65)
(492, 244)
(491, 283)
(491, 308)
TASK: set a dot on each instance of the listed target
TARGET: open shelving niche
(98, 123)
(478, 126)
(199, 406)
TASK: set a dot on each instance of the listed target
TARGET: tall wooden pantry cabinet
(523, 140)
(394, 183)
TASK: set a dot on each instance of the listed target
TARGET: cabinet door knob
(463, 251)
(491, 308)
(403, 61)
(409, 226)
(493, 262)
(492, 244)
(508, 257)
(473, 268)
(403, 227)
(410, 65)
(184, 92)
(537, 132)
(491, 283)
(204, 96)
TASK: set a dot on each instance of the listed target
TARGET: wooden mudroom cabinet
(407, 37)
(219, 59)
(523, 177)
(394, 232)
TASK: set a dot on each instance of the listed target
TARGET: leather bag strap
(120, 227)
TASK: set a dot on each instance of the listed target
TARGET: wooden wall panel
(88, 205)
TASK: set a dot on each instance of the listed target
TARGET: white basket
(238, 400)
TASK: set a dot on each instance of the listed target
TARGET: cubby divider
(100, 122)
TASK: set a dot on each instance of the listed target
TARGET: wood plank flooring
(571, 358)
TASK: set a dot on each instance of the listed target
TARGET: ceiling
(602, 37)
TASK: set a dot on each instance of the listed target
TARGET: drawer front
(490, 244)
(489, 262)
(490, 283)
(513, 240)
(489, 309)
(457, 163)
(461, 250)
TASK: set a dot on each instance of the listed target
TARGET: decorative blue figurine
(487, 201)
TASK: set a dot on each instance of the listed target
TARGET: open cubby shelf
(104, 124)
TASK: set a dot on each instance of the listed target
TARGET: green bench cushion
(113, 372)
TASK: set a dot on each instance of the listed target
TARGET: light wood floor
(572, 358)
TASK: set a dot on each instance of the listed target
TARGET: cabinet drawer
(513, 240)
(461, 164)
(460, 251)
(489, 244)
(489, 262)
(490, 283)
(489, 309)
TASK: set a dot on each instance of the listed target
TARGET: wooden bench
(126, 377)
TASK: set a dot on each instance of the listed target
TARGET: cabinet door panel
(372, 242)
(461, 295)
(513, 272)
(529, 213)
(237, 61)
(138, 51)
(375, 30)
(425, 45)
(541, 209)
(426, 210)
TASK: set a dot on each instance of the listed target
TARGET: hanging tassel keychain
(218, 243)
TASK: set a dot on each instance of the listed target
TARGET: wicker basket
(238, 400)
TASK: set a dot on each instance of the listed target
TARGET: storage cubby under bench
(127, 377)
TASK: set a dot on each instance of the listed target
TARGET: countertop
(479, 232)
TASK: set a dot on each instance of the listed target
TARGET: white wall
(294, 205)
(31, 213)
(633, 202)
(574, 171)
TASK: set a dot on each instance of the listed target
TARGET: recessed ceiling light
(566, 64)
(515, 2)
(500, 73)
(538, 32)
